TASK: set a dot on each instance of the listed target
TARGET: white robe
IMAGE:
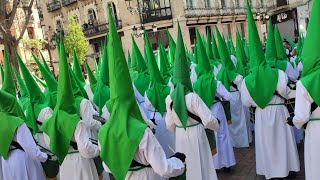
(150, 152)
(140, 100)
(1, 178)
(225, 155)
(193, 141)
(240, 128)
(276, 150)
(291, 72)
(312, 133)
(89, 92)
(79, 165)
(24, 165)
(165, 137)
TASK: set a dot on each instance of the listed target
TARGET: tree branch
(13, 12)
(28, 15)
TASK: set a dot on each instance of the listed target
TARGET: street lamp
(138, 31)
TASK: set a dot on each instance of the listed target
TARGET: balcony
(91, 29)
(192, 12)
(68, 2)
(52, 6)
(154, 10)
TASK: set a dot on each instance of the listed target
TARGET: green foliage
(75, 39)
(34, 44)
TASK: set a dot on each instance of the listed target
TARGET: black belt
(16, 146)
(190, 114)
(234, 86)
(135, 163)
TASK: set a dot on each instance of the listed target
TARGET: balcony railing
(68, 2)
(221, 11)
(90, 30)
(52, 6)
(154, 10)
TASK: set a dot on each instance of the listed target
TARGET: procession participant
(211, 92)
(139, 156)
(190, 134)
(164, 64)
(78, 75)
(67, 134)
(307, 111)
(282, 60)
(155, 100)
(264, 88)
(102, 92)
(142, 81)
(20, 155)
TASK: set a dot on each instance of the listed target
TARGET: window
(192, 32)
(76, 18)
(91, 15)
(207, 3)
(240, 29)
(226, 30)
(189, 3)
(58, 25)
(223, 4)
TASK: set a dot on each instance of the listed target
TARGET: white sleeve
(200, 109)
(282, 87)
(169, 120)
(238, 81)
(87, 111)
(193, 76)
(302, 110)
(25, 139)
(89, 92)
(300, 67)
(245, 95)
(223, 92)
(85, 146)
(156, 157)
(291, 72)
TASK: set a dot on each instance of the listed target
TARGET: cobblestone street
(245, 169)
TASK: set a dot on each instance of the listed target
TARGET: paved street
(245, 168)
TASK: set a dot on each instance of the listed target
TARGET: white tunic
(165, 137)
(225, 155)
(240, 128)
(312, 133)
(193, 141)
(150, 152)
(89, 92)
(291, 72)
(140, 100)
(24, 165)
(79, 165)
(276, 150)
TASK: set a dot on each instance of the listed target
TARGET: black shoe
(226, 169)
(292, 175)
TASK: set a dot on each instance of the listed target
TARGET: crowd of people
(176, 114)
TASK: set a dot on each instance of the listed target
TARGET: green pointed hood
(96, 67)
(136, 54)
(299, 47)
(8, 82)
(232, 48)
(76, 90)
(124, 130)
(92, 79)
(129, 59)
(216, 55)
(102, 93)
(281, 51)
(158, 90)
(172, 46)
(227, 72)
(24, 100)
(262, 81)
(241, 57)
(181, 81)
(164, 63)
(195, 49)
(2, 74)
(77, 68)
(271, 51)
(61, 125)
(209, 49)
(203, 67)
(311, 55)
(52, 84)
(45, 65)
(11, 117)
(37, 98)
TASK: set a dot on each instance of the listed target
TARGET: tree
(35, 45)
(14, 19)
(75, 39)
